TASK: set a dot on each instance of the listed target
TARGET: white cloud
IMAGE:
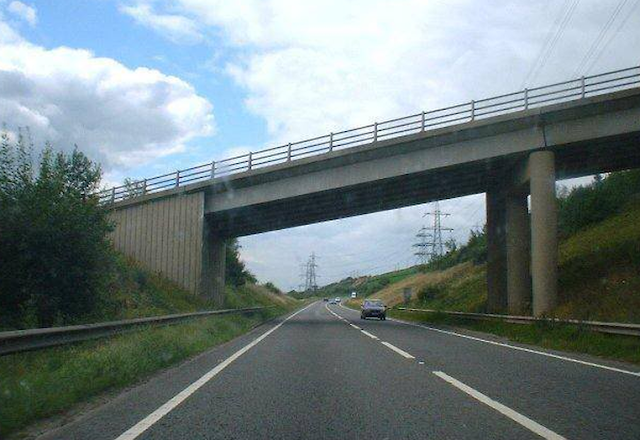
(120, 116)
(315, 66)
(177, 28)
(24, 12)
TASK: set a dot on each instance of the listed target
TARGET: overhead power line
(621, 25)
(599, 38)
(553, 36)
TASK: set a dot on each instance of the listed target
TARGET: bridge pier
(518, 249)
(522, 260)
(544, 231)
(214, 255)
(496, 251)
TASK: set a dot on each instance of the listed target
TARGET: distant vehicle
(354, 295)
(373, 308)
(325, 299)
(333, 301)
(338, 300)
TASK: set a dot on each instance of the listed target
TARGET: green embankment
(365, 285)
(599, 279)
(40, 384)
(599, 276)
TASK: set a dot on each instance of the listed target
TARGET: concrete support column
(214, 257)
(496, 252)
(518, 238)
(544, 232)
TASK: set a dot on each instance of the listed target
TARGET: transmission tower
(437, 245)
(423, 245)
(310, 284)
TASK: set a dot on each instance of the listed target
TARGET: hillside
(599, 276)
(365, 285)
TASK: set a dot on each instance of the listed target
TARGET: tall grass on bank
(40, 384)
(548, 335)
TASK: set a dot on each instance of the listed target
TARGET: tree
(54, 253)
(236, 272)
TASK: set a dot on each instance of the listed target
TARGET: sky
(150, 86)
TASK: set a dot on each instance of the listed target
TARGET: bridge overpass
(508, 147)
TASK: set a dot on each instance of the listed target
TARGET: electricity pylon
(437, 245)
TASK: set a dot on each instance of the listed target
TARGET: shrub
(54, 251)
(428, 293)
(236, 272)
(586, 205)
(272, 287)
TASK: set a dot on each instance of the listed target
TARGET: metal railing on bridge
(576, 89)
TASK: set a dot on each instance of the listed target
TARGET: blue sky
(100, 27)
(149, 86)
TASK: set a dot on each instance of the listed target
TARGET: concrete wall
(165, 235)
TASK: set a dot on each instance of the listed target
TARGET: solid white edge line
(505, 410)
(514, 347)
(369, 334)
(355, 326)
(163, 410)
(397, 350)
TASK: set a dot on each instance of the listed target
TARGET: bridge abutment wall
(171, 236)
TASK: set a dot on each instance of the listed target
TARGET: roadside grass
(40, 384)
(599, 277)
(135, 292)
(567, 338)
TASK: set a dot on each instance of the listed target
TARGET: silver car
(373, 308)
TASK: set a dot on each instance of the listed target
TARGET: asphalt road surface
(324, 373)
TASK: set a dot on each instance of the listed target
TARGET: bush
(236, 273)
(429, 293)
(586, 205)
(54, 253)
(272, 288)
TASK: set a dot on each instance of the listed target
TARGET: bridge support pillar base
(518, 245)
(213, 265)
(544, 232)
(496, 252)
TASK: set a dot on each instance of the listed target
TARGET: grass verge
(568, 338)
(40, 384)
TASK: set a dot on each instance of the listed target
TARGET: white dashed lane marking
(397, 350)
(505, 410)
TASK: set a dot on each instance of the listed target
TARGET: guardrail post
(422, 122)
(144, 186)
(375, 132)
(113, 194)
(582, 87)
(250, 160)
(213, 169)
(289, 152)
(330, 142)
(177, 178)
(526, 99)
(473, 110)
